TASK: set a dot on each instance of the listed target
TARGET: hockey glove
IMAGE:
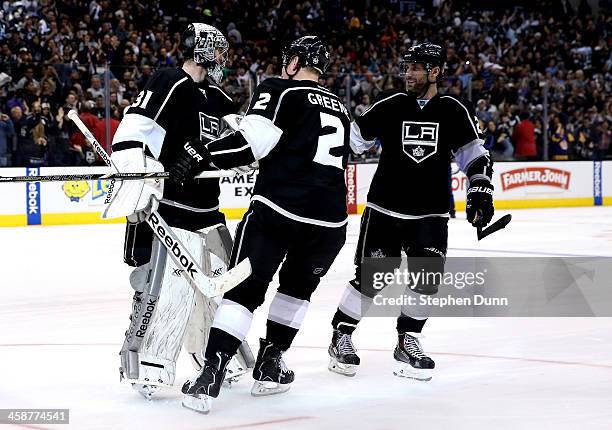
(479, 207)
(190, 160)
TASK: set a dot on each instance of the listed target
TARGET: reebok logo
(146, 318)
(191, 151)
(172, 246)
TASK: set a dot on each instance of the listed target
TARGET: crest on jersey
(420, 139)
(209, 127)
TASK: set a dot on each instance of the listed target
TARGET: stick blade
(232, 277)
(496, 226)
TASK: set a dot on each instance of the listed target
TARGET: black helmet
(200, 43)
(311, 52)
(430, 54)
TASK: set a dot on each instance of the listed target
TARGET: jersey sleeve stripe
(380, 101)
(469, 152)
(229, 151)
(168, 97)
(466, 112)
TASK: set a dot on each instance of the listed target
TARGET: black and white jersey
(171, 110)
(299, 132)
(418, 143)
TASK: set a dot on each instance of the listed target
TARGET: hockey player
(299, 132)
(177, 105)
(408, 201)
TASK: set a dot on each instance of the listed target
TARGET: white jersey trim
(294, 217)
(143, 129)
(229, 151)
(358, 144)
(383, 100)
(221, 91)
(168, 97)
(260, 133)
(404, 216)
(323, 90)
(470, 152)
(466, 112)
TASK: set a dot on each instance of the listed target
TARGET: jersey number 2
(329, 141)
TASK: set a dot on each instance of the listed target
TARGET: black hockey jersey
(299, 132)
(171, 110)
(411, 180)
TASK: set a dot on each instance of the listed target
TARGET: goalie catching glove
(133, 198)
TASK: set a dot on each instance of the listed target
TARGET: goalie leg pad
(161, 311)
(218, 247)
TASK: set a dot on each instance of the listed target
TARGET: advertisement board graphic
(33, 198)
(532, 176)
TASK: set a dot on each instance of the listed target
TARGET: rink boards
(517, 185)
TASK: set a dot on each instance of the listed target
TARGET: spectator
(365, 103)
(560, 140)
(96, 88)
(31, 144)
(7, 132)
(523, 138)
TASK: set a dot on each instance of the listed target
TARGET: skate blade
(342, 368)
(146, 391)
(233, 375)
(405, 370)
(267, 388)
(200, 403)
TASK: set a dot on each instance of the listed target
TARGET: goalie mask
(311, 52)
(207, 47)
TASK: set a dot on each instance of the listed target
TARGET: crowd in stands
(517, 64)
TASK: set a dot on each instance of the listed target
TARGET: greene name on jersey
(418, 143)
(299, 132)
(171, 110)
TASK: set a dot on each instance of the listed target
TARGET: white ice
(65, 302)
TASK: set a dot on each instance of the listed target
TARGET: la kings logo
(420, 139)
(209, 127)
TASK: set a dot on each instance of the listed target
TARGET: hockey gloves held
(479, 207)
(190, 160)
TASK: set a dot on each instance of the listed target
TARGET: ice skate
(343, 356)
(270, 372)
(146, 391)
(412, 362)
(198, 394)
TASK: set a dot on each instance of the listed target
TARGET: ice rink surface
(66, 300)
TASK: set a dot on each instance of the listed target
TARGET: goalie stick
(209, 287)
(111, 176)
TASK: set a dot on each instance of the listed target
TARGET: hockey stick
(112, 176)
(492, 228)
(209, 287)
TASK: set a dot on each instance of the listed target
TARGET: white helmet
(207, 47)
